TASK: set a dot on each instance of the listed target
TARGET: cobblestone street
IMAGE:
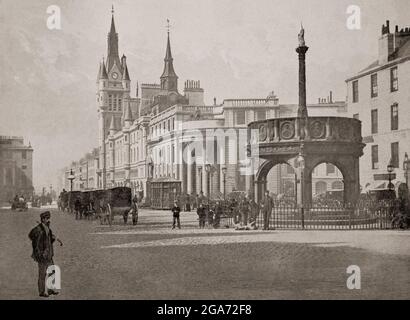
(152, 261)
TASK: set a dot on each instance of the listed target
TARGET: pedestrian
(201, 215)
(134, 210)
(253, 210)
(176, 210)
(42, 239)
(201, 199)
(218, 214)
(210, 215)
(266, 206)
(244, 210)
(77, 209)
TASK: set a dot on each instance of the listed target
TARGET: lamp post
(300, 160)
(390, 169)
(406, 168)
(224, 180)
(71, 177)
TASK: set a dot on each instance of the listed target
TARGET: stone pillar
(127, 161)
(204, 181)
(189, 171)
(199, 178)
(302, 109)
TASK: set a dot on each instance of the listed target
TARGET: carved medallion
(262, 132)
(287, 130)
(317, 130)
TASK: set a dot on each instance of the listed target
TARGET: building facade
(16, 168)
(164, 136)
(379, 97)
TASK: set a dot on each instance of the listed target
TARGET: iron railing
(365, 215)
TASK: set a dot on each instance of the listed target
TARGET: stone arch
(348, 167)
(262, 174)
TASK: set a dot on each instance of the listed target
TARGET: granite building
(16, 168)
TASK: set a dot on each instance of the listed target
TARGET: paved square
(152, 261)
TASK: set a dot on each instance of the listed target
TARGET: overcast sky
(236, 48)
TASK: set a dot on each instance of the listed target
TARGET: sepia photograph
(216, 150)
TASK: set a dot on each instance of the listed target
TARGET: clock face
(114, 75)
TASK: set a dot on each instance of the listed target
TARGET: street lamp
(224, 180)
(390, 169)
(300, 160)
(406, 168)
(71, 177)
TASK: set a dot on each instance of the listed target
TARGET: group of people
(191, 202)
(101, 209)
(244, 212)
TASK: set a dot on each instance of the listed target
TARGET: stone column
(302, 109)
(189, 171)
(204, 181)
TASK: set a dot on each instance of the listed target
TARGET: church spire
(112, 54)
(169, 79)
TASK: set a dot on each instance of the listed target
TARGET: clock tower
(113, 93)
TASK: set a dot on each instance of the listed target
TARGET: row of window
(114, 102)
(394, 148)
(394, 118)
(7, 154)
(163, 127)
(164, 170)
(374, 87)
(20, 179)
(161, 157)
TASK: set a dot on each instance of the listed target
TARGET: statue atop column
(302, 108)
(301, 37)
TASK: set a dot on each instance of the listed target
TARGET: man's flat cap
(45, 214)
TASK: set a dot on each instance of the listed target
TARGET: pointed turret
(169, 79)
(112, 126)
(125, 74)
(112, 53)
(102, 73)
(128, 115)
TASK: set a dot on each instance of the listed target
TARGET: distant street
(151, 261)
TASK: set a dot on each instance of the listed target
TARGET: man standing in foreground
(267, 206)
(175, 213)
(42, 239)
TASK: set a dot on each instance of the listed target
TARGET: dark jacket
(267, 204)
(175, 211)
(201, 212)
(42, 244)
